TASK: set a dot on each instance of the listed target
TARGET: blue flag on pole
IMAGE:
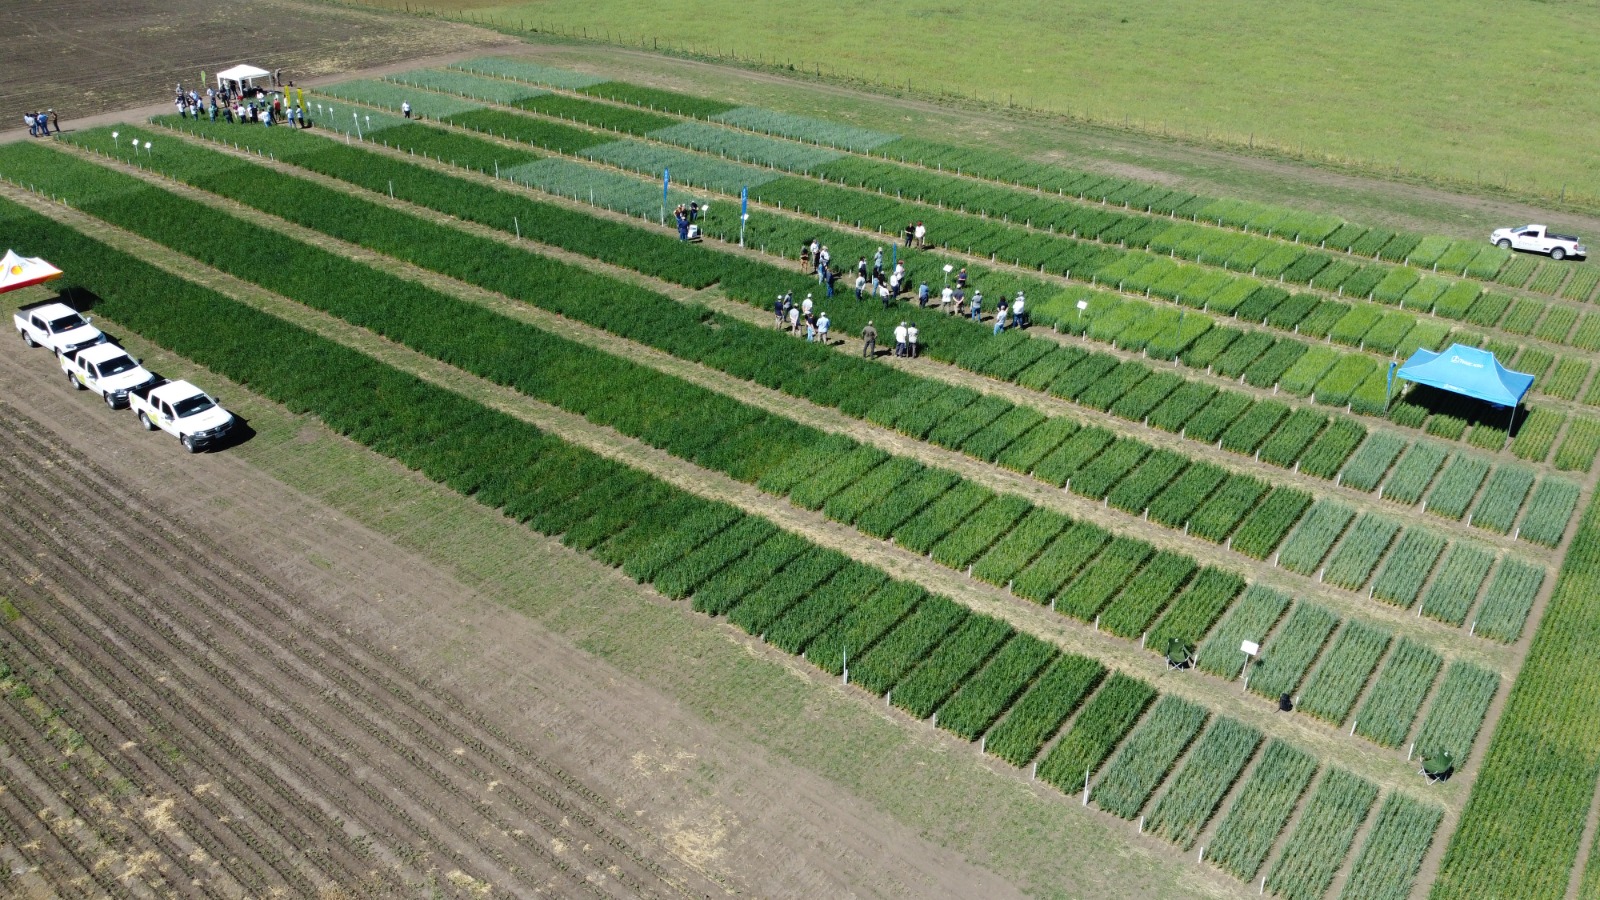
(1388, 388)
(666, 179)
(744, 203)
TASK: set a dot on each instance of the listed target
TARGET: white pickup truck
(107, 370)
(181, 410)
(55, 325)
(1537, 239)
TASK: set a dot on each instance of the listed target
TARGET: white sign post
(1082, 305)
(1251, 650)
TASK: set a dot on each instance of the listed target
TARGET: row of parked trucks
(92, 362)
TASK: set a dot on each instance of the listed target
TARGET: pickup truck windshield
(188, 406)
(116, 366)
(66, 323)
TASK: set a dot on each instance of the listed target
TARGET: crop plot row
(932, 653)
(1393, 851)
(532, 73)
(390, 95)
(1085, 596)
(1461, 257)
(1320, 449)
(1057, 461)
(805, 484)
(1537, 780)
(488, 90)
(1358, 383)
(1292, 643)
(805, 128)
(1361, 327)
(1322, 839)
(957, 541)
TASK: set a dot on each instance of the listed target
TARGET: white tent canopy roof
(242, 73)
(17, 271)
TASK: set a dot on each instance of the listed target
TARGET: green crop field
(1047, 543)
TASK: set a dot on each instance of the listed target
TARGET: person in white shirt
(794, 318)
(900, 336)
(911, 341)
(922, 236)
(1018, 317)
(805, 306)
(823, 322)
(861, 285)
(405, 109)
(815, 258)
(946, 297)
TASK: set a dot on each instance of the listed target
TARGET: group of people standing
(791, 316)
(42, 124)
(687, 218)
(905, 340)
(251, 106)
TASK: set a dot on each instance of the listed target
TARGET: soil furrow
(306, 665)
(277, 708)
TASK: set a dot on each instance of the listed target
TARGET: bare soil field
(83, 57)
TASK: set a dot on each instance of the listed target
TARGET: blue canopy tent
(1468, 371)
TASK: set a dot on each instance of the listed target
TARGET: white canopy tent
(17, 271)
(245, 75)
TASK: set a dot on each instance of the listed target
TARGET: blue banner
(666, 179)
(744, 203)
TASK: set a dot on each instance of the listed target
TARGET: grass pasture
(1315, 81)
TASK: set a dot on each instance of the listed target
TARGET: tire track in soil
(363, 675)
